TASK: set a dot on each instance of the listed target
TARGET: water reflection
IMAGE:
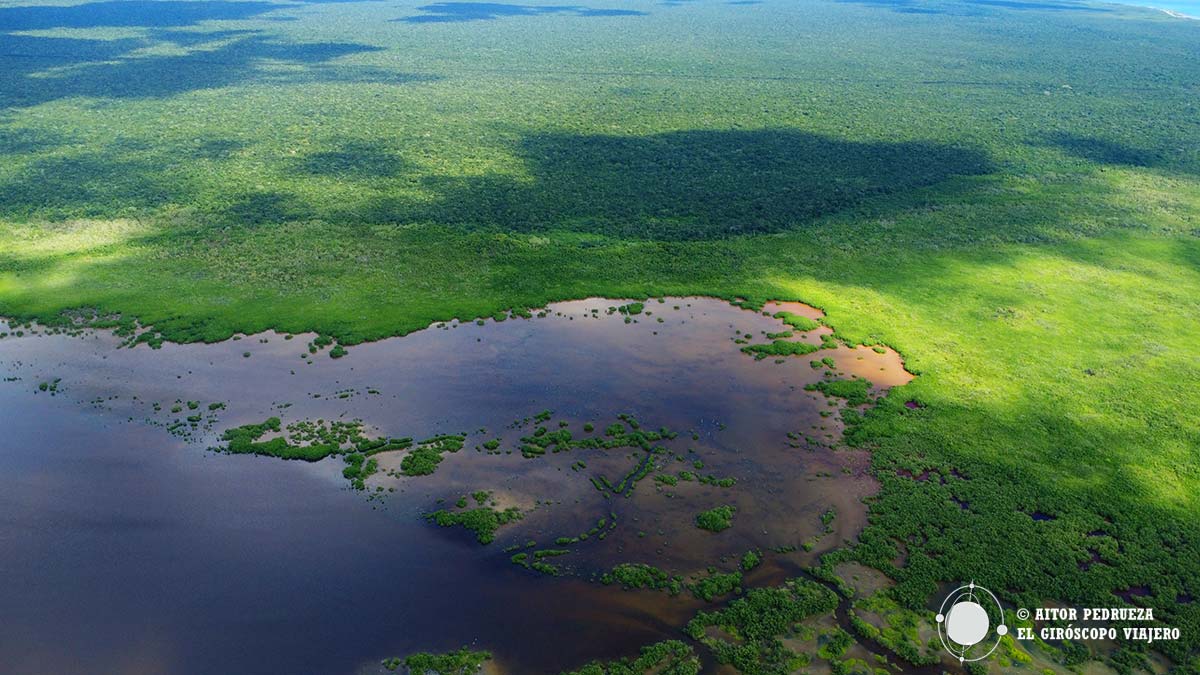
(128, 549)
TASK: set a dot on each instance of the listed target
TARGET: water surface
(126, 548)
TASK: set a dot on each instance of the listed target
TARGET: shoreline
(1171, 12)
(1177, 15)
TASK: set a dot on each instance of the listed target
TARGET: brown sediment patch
(793, 308)
(865, 581)
(883, 370)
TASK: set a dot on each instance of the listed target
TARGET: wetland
(600, 471)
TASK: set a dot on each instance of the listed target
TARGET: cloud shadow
(457, 12)
(683, 185)
(131, 14)
(36, 70)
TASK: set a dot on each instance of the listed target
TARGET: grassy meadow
(1006, 192)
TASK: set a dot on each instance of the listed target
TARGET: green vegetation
(424, 459)
(898, 629)
(856, 391)
(461, 662)
(483, 521)
(632, 308)
(536, 560)
(358, 469)
(756, 621)
(780, 348)
(638, 575)
(308, 441)
(798, 322)
(716, 482)
(544, 568)
(542, 440)
(751, 560)
(672, 657)
(243, 440)
(715, 585)
(835, 645)
(827, 518)
(716, 519)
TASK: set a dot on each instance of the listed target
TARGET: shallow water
(128, 549)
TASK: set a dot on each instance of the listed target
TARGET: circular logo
(964, 623)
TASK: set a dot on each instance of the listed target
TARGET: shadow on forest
(454, 12)
(902, 6)
(27, 141)
(130, 14)
(1103, 151)
(96, 183)
(353, 160)
(969, 7)
(1052, 6)
(683, 185)
(36, 70)
(675, 186)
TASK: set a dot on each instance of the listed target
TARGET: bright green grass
(1010, 197)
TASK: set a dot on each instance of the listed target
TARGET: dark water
(128, 549)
